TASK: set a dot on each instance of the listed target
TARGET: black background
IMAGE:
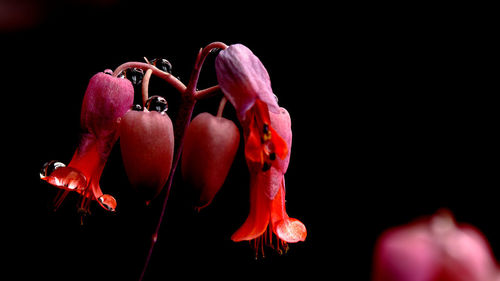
(388, 117)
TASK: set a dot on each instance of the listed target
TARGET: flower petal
(106, 99)
(258, 218)
(281, 126)
(243, 79)
(253, 146)
(287, 229)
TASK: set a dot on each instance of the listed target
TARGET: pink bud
(107, 98)
(434, 249)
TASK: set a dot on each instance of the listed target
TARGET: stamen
(61, 195)
(266, 239)
(266, 133)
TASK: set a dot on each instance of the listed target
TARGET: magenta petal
(243, 78)
(106, 99)
(282, 124)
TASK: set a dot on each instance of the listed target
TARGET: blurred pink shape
(434, 249)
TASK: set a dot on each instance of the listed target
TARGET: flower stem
(189, 98)
(205, 93)
(221, 106)
(145, 86)
(161, 74)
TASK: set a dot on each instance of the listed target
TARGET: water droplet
(136, 107)
(157, 103)
(214, 50)
(108, 202)
(163, 65)
(135, 76)
(49, 167)
(122, 74)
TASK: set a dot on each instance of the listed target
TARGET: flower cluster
(152, 145)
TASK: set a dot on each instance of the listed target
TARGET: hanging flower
(268, 138)
(246, 84)
(267, 197)
(106, 100)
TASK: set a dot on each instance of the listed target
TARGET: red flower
(106, 100)
(246, 84)
(267, 191)
(434, 249)
(268, 138)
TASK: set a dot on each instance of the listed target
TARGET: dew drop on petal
(108, 202)
(49, 167)
(136, 107)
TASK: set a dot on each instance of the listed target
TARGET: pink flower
(268, 139)
(434, 249)
(106, 100)
(267, 196)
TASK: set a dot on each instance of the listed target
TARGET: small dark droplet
(136, 107)
(135, 76)
(157, 103)
(163, 65)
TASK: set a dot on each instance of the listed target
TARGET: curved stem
(221, 106)
(145, 86)
(206, 93)
(202, 55)
(144, 66)
(189, 97)
(180, 126)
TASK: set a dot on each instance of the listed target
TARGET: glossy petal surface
(210, 146)
(147, 146)
(243, 79)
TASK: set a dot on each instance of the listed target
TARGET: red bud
(209, 149)
(147, 146)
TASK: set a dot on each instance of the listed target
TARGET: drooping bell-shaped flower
(268, 139)
(106, 100)
(246, 84)
(267, 196)
(434, 249)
